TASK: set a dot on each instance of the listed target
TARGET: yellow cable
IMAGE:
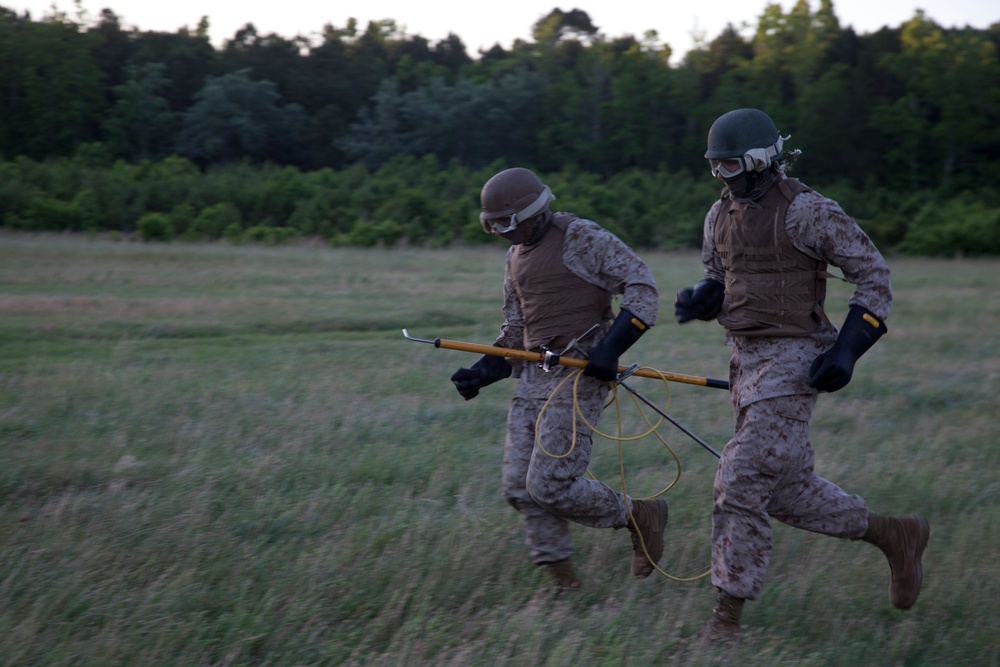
(653, 430)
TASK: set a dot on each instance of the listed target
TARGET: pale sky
(480, 25)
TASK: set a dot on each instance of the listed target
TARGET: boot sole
(923, 536)
(662, 512)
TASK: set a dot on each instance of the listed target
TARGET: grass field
(219, 455)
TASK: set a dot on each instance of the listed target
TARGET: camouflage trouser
(767, 470)
(550, 491)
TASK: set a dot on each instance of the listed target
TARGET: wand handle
(539, 357)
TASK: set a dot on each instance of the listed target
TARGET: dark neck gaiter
(750, 186)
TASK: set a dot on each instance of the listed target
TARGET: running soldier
(766, 247)
(560, 275)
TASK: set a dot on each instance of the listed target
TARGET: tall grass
(231, 456)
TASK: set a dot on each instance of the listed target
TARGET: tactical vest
(557, 306)
(772, 289)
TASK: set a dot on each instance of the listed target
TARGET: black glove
(489, 369)
(603, 361)
(832, 370)
(703, 301)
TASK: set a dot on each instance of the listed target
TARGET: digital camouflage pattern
(766, 469)
(551, 489)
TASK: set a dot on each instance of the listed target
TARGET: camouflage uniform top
(600, 258)
(817, 226)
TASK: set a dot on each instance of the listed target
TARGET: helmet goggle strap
(755, 159)
(509, 223)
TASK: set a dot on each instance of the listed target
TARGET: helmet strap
(534, 207)
(758, 159)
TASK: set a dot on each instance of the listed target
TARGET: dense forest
(368, 135)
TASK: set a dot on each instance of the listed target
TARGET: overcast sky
(480, 25)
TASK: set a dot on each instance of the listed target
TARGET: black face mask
(751, 185)
(529, 231)
(515, 236)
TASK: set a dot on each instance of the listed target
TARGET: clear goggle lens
(727, 168)
(507, 223)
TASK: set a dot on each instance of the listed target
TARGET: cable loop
(653, 429)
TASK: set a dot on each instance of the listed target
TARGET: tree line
(901, 123)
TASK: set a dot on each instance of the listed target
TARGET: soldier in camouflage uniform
(766, 247)
(560, 275)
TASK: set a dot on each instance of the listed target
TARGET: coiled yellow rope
(620, 439)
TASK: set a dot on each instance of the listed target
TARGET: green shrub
(961, 226)
(15, 197)
(174, 165)
(182, 217)
(212, 222)
(53, 215)
(366, 233)
(234, 234)
(472, 233)
(320, 216)
(268, 235)
(411, 210)
(88, 210)
(281, 193)
(423, 203)
(155, 227)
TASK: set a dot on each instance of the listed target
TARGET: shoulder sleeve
(709, 255)
(599, 257)
(820, 228)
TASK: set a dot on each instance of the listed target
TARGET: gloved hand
(603, 360)
(487, 370)
(703, 301)
(833, 369)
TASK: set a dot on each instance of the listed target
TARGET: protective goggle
(727, 168)
(755, 159)
(502, 225)
(508, 223)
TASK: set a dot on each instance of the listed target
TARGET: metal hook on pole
(632, 370)
(553, 359)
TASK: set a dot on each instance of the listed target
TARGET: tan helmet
(510, 197)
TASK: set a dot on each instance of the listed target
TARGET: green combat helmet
(746, 136)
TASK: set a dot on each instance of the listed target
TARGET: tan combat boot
(902, 540)
(649, 517)
(725, 623)
(564, 575)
